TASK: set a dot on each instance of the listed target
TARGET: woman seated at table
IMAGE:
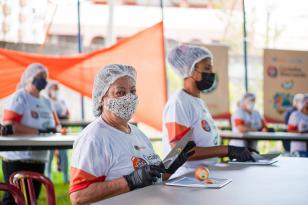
(298, 123)
(247, 119)
(111, 156)
(27, 112)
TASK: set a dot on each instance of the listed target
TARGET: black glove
(6, 130)
(241, 154)
(143, 176)
(47, 131)
(182, 158)
(252, 150)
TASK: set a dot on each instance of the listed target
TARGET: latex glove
(6, 130)
(143, 176)
(241, 154)
(182, 158)
(48, 131)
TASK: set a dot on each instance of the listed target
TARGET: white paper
(193, 182)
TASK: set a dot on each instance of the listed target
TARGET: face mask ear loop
(192, 76)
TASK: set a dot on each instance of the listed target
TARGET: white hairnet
(51, 83)
(103, 80)
(297, 99)
(29, 74)
(183, 58)
(247, 96)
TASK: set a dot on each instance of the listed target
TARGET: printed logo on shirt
(45, 115)
(205, 125)
(34, 115)
(138, 162)
(138, 148)
(152, 158)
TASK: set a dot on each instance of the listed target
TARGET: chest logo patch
(138, 162)
(205, 125)
(34, 115)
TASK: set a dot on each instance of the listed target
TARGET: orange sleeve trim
(11, 116)
(81, 179)
(176, 131)
(85, 184)
(239, 122)
(292, 128)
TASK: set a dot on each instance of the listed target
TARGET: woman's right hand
(143, 176)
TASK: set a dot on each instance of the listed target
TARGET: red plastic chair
(16, 193)
(24, 178)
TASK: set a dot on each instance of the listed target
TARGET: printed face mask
(123, 107)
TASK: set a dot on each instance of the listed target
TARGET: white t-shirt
(60, 107)
(103, 153)
(31, 111)
(242, 117)
(298, 122)
(182, 113)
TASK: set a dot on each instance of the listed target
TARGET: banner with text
(285, 74)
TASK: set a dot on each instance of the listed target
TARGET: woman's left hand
(241, 154)
(6, 130)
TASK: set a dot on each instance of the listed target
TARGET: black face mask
(39, 83)
(207, 81)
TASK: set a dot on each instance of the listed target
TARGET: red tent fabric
(144, 51)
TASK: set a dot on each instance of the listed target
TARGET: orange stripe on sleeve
(81, 179)
(11, 116)
(292, 128)
(176, 131)
(239, 122)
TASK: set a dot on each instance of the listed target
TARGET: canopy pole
(164, 44)
(80, 51)
(245, 48)
(110, 28)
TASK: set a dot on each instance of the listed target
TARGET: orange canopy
(144, 51)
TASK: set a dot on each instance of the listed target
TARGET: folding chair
(23, 179)
(16, 193)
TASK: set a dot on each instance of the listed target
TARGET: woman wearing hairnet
(185, 110)
(298, 123)
(111, 156)
(295, 106)
(247, 119)
(63, 113)
(27, 112)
